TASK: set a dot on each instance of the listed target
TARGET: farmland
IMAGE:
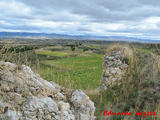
(79, 66)
(75, 69)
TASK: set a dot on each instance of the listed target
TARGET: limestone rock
(1, 107)
(24, 95)
(114, 67)
(83, 105)
(12, 115)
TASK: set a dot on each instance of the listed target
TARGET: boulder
(24, 95)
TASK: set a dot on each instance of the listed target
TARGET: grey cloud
(77, 16)
(97, 10)
(150, 2)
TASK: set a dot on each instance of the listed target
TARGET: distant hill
(77, 37)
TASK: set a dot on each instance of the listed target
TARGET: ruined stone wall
(26, 96)
(114, 67)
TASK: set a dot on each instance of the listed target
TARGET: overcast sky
(138, 18)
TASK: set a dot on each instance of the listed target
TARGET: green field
(82, 69)
(82, 72)
(52, 53)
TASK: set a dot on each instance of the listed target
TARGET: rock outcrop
(114, 67)
(26, 96)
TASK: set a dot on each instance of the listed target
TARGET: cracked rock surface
(24, 95)
(114, 67)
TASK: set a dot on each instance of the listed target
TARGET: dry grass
(92, 92)
(131, 94)
(125, 95)
(125, 50)
(28, 57)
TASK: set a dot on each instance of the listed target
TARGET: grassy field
(82, 72)
(51, 53)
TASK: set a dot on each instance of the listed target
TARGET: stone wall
(114, 67)
(26, 96)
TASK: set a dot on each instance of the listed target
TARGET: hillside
(116, 77)
(20, 35)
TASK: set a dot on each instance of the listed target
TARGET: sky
(135, 18)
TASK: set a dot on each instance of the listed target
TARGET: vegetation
(81, 71)
(81, 68)
(136, 91)
(52, 53)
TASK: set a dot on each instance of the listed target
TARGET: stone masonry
(114, 66)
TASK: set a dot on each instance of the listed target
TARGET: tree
(73, 47)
